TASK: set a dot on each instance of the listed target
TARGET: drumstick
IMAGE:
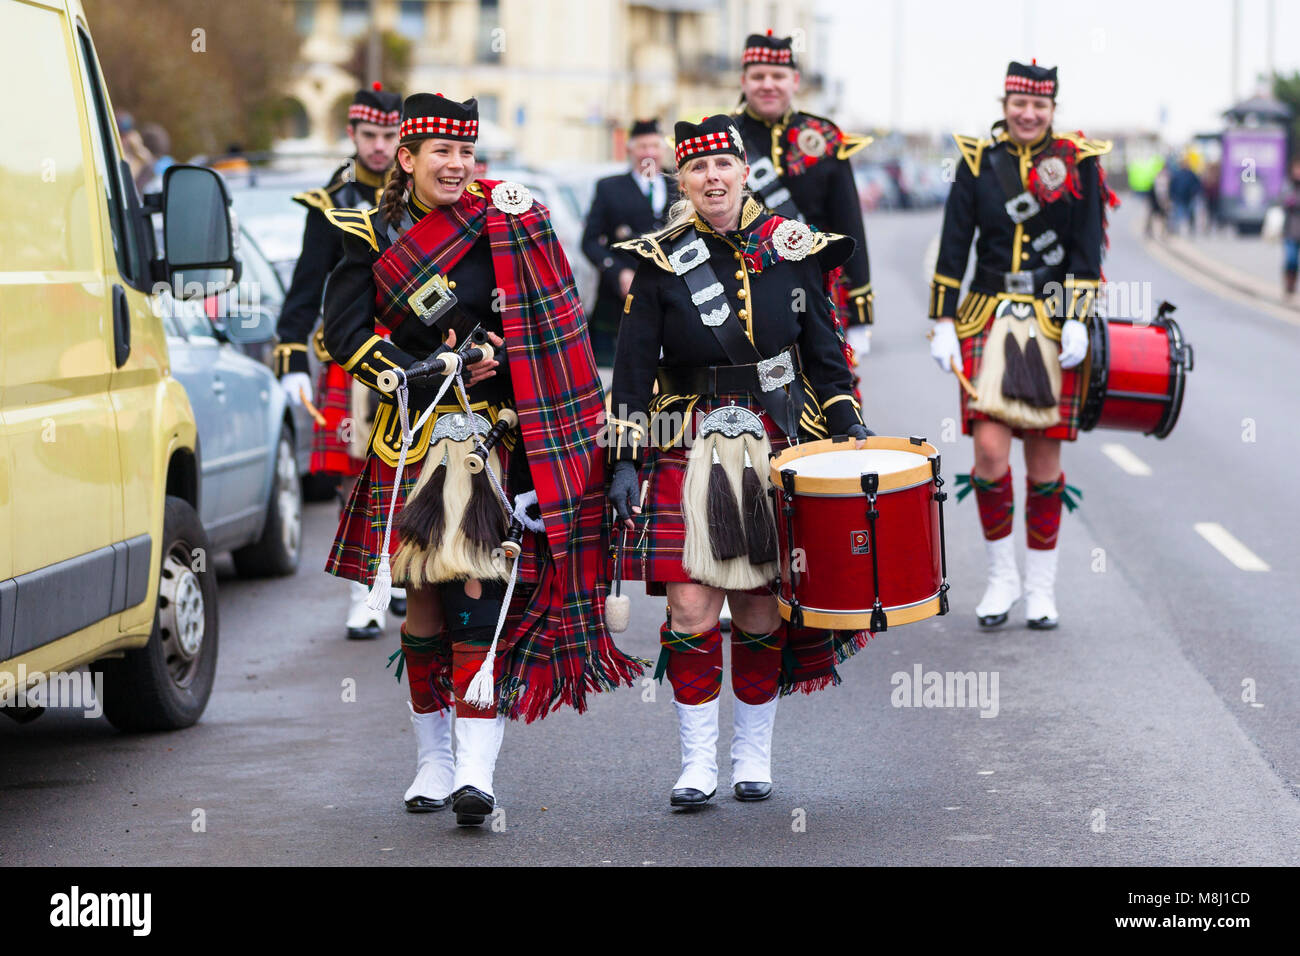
(315, 412)
(965, 382)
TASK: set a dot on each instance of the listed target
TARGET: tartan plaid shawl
(555, 647)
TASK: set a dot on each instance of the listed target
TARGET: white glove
(944, 347)
(859, 337)
(292, 382)
(1074, 343)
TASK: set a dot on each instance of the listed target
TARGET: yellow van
(102, 557)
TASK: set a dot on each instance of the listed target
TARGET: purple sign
(1254, 166)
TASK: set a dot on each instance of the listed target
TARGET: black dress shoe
(398, 606)
(369, 632)
(748, 791)
(690, 798)
(471, 805)
(1042, 623)
(426, 804)
(994, 620)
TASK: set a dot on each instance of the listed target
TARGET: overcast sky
(1122, 62)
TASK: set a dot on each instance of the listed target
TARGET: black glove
(623, 491)
(857, 431)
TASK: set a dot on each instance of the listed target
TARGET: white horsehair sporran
(1019, 381)
(730, 530)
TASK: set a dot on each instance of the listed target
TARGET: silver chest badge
(512, 198)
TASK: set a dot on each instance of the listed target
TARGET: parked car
(247, 435)
(99, 448)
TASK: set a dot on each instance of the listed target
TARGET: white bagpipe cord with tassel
(381, 589)
(618, 608)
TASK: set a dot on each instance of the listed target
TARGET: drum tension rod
(871, 485)
(787, 510)
(941, 496)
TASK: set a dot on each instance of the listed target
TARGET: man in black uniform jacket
(627, 205)
(799, 168)
(373, 119)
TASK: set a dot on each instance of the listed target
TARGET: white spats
(751, 742)
(434, 762)
(478, 741)
(1040, 585)
(697, 726)
(1003, 588)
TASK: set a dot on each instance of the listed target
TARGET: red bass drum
(1136, 374)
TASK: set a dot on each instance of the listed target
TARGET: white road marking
(1126, 460)
(1230, 547)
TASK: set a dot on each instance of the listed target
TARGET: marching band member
(1038, 199)
(734, 297)
(441, 258)
(629, 204)
(799, 168)
(357, 184)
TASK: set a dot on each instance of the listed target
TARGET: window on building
(410, 19)
(304, 16)
(354, 17)
(491, 38)
(489, 108)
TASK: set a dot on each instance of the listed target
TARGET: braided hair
(395, 194)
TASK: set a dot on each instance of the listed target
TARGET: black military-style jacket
(619, 211)
(350, 328)
(1061, 243)
(780, 304)
(351, 187)
(811, 156)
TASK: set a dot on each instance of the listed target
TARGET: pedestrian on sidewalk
(1184, 188)
(496, 478)
(1291, 229)
(1038, 200)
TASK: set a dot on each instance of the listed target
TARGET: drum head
(852, 462)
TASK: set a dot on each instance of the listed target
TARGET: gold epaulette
(852, 144)
(1087, 147)
(315, 199)
(972, 149)
(650, 246)
(357, 222)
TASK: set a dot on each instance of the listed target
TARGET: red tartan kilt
(972, 354)
(654, 552)
(359, 541)
(329, 453)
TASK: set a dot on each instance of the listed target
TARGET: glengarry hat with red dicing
(770, 50)
(431, 114)
(375, 105)
(1031, 78)
(712, 135)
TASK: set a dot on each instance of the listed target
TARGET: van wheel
(166, 684)
(278, 551)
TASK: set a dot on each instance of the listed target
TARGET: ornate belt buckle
(731, 421)
(776, 371)
(1022, 207)
(435, 289)
(1019, 283)
(689, 256)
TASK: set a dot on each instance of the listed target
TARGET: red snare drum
(1136, 375)
(865, 529)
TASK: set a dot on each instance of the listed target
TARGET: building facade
(556, 80)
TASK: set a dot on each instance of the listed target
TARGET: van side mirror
(198, 234)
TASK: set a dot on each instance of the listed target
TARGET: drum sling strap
(689, 258)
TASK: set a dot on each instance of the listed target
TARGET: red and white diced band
(766, 54)
(709, 142)
(1022, 84)
(368, 114)
(439, 126)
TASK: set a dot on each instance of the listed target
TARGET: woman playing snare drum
(735, 298)
(1039, 201)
